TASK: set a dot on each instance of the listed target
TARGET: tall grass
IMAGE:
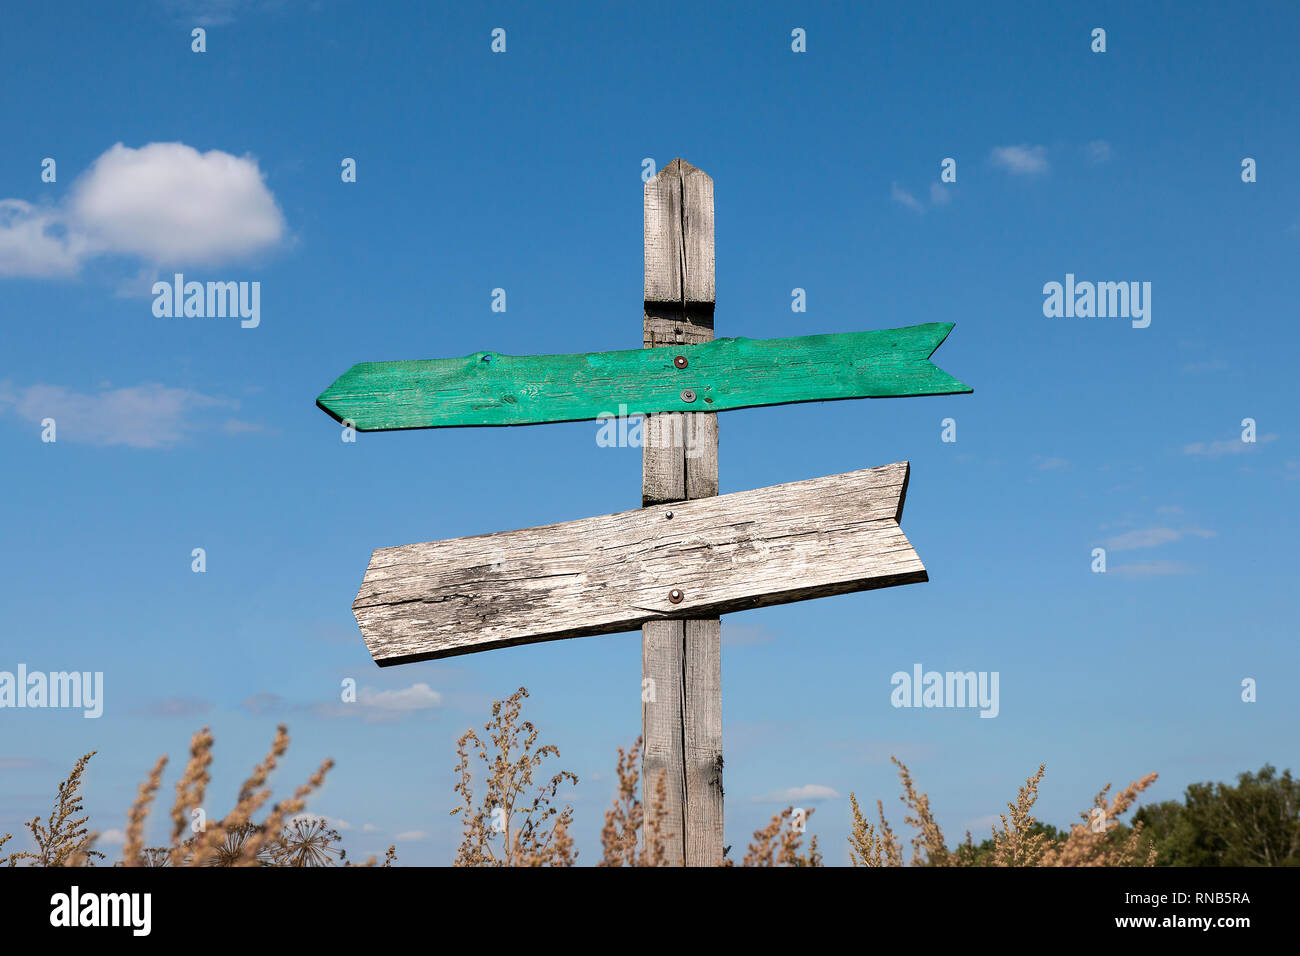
(282, 838)
(516, 820)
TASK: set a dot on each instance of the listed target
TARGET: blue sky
(523, 171)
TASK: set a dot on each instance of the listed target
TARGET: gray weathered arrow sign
(688, 559)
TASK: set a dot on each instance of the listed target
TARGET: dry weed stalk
(623, 821)
(218, 841)
(274, 825)
(929, 836)
(655, 826)
(1020, 842)
(63, 839)
(190, 790)
(390, 857)
(869, 846)
(1093, 842)
(627, 822)
(506, 829)
(1015, 844)
(778, 843)
(635, 836)
(134, 846)
(234, 840)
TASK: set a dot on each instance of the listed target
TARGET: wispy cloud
(416, 697)
(1228, 446)
(379, 706)
(263, 703)
(206, 13)
(411, 835)
(903, 197)
(1152, 538)
(139, 416)
(1021, 160)
(808, 793)
(21, 763)
(939, 196)
(1153, 569)
(174, 707)
(1098, 152)
(1052, 464)
(236, 426)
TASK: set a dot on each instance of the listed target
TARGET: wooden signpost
(687, 555)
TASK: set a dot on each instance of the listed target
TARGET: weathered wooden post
(681, 660)
(688, 554)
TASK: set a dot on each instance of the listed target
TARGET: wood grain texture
(488, 388)
(680, 461)
(601, 575)
(702, 739)
(678, 237)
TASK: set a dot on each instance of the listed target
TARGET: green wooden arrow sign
(487, 388)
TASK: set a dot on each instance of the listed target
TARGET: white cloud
(141, 416)
(165, 203)
(1152, 538)
(1152, 569)
(1021, 160)
(412, 835)
(939, 195)
(377, 706)
(34, 242)
(1053, 464)
(1098, 152)
(901, 195)
(169, 203)
(808, 793)
(416, 697)
(112, 837)
(1229, 446)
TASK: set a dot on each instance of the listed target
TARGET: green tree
(1255, 822)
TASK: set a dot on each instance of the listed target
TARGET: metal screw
(675, 595)
(688, 395)
(680, 361)
(668, 514)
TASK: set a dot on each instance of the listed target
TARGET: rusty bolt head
(688, 395)
(676, 595)
(680, 361)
